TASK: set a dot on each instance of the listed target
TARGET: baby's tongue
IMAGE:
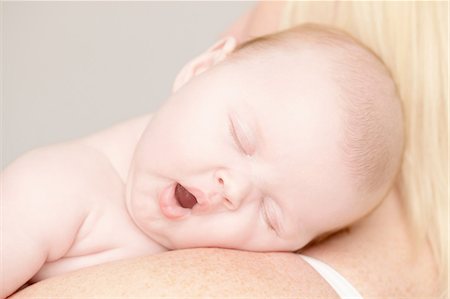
(184, 197)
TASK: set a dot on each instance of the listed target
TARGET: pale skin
(114, 166)
(250, 162)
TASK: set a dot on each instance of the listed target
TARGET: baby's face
(258, 150)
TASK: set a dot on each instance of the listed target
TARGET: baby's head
(278, 142)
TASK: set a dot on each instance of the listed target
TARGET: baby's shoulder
(66, 171)
(94, 163)
(47, 194)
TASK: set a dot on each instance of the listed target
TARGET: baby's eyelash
(266, 217)
(232, 131)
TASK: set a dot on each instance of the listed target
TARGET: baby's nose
(234, 189)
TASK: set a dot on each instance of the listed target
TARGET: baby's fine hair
(372, 145)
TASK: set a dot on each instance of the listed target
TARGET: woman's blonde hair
(412, 40)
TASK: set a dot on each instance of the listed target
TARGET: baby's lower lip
(168, 204)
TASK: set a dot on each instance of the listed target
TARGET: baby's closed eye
(241, 134)
(268, 214)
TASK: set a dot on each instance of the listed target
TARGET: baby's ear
(215, 54)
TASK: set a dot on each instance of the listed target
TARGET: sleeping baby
(265, 146)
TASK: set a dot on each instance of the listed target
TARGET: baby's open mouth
(184, 197)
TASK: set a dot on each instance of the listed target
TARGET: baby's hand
(40, 218)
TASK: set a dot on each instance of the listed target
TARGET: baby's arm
(40, 218)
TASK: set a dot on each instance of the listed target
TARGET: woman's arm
(190, 273)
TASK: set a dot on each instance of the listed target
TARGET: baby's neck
(118, 142)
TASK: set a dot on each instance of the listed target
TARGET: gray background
(73, 68)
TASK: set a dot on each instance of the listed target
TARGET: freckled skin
(177, 272)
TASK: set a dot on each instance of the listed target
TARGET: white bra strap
(341, 285)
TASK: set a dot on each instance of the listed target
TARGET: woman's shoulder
(205, 272)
